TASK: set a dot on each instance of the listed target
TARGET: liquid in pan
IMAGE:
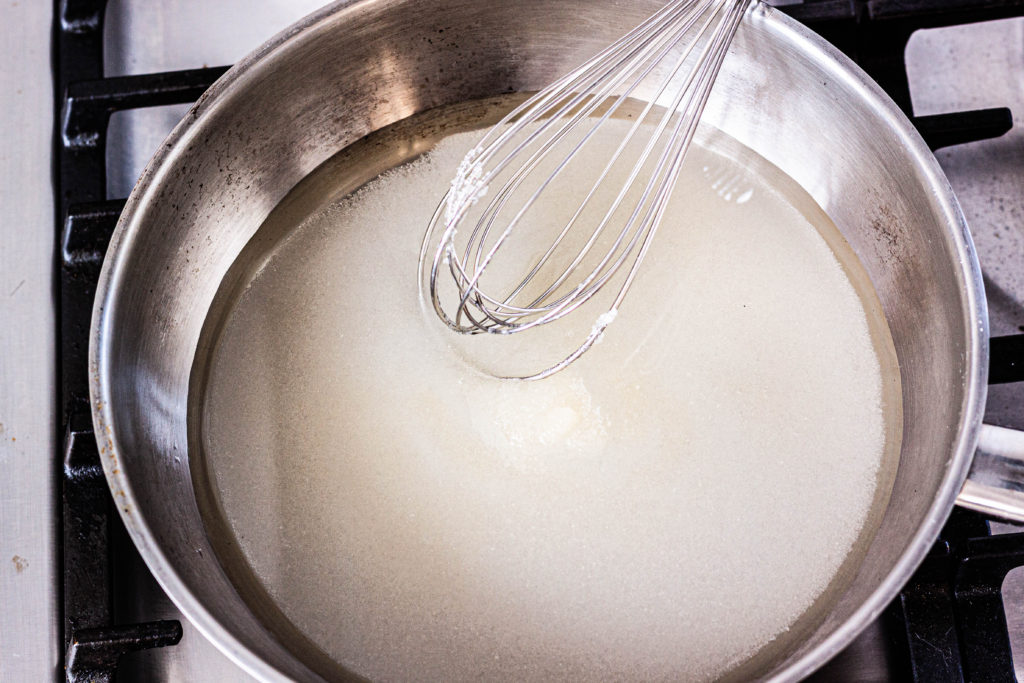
(689, 493)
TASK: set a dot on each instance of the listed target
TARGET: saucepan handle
(995, 485)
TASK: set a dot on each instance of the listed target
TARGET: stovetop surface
(950, 69)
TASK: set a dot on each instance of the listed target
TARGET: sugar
(662, 510)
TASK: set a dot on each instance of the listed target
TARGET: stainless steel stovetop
(965, 67)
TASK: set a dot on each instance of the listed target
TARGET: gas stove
(126, 71)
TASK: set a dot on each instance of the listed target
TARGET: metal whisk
(665, 69)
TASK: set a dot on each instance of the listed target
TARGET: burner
(874, 33)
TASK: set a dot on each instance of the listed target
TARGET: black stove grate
(948, 622)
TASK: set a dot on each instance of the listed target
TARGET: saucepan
(357, 66)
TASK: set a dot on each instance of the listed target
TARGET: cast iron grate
(946, 625)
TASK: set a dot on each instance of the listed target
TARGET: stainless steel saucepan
(357, 66)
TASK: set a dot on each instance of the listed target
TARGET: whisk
(666, 68)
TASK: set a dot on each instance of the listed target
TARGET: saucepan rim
(129, 230)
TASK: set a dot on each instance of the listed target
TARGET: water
(688, 495)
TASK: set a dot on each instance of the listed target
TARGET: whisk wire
(541, 108)
(483, 227)
(502, 312)
(722, 39)
(602, 272)
(616, 103)
(556, 91)
(521, 152)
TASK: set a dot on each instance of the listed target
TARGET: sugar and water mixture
(662, 510)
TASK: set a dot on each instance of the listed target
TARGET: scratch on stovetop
(15, 290)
